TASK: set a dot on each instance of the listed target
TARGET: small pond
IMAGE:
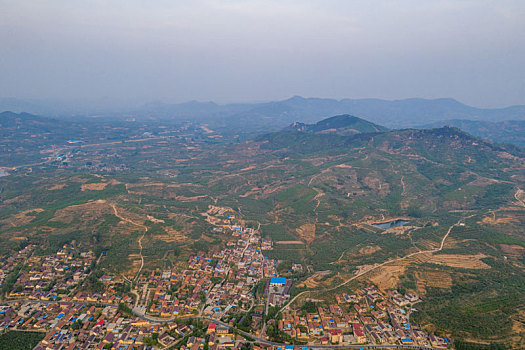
(390, 224)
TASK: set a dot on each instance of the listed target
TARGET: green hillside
(340, 124)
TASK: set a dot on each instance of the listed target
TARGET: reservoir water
(390, 224)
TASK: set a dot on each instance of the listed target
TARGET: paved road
(245, 334)
(54, 302)
(268, 342)
(366, 346)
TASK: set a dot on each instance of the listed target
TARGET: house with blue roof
(277, 281)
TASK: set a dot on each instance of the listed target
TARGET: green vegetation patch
(480, 303)
(18, 340)
(277, 232)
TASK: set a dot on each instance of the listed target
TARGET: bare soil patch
(436, 279)
(97, 186)
(482, 181)
(518, 327)
(172, 236)
(163, 191)
(306, 232)
(369, 250)
(135, 265)
(383, 188)
(85, 212)
(399, 230)
(17, 238)
(314, 280)
(514, 250)
(506, 219)
(189, 199)
(251, 167)
(21, 218)
(155, 220)
(460, 261)
(387, 277)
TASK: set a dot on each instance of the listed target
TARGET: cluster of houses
(109, 296)
(177, 293)
(11, 262)
(369, 316)
(237, 268)
(69, 326)
(220, 286)
(49, 277)
(57, 277)
(240, 267)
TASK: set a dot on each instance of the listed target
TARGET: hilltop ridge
(340, 124)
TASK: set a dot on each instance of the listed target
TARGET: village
(228, 298)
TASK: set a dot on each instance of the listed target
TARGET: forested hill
(508, 131)
(340, 124)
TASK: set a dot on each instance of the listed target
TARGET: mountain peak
(339, 124)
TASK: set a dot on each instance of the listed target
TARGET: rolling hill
(341, 124)
(508, 131)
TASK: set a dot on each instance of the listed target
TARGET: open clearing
(251, 167)
(306, 232)
(463, 261)
(435, 279)
(171, 236)
(84, 212)
(369, 250)
(506, 219)
(460, 261)
(22, 217)
(387, 277)
(97, 186)
(314, 280)
(513, 250)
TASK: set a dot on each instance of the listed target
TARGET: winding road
(144, 227)
(517, 195)
(430, 251)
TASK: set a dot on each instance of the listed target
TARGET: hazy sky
(254, 50)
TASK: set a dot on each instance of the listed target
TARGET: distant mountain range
(502, 125)
(393, 114)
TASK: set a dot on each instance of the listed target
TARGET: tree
(309, 307)
(76, 325)
(125, 309)
(247, 346)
